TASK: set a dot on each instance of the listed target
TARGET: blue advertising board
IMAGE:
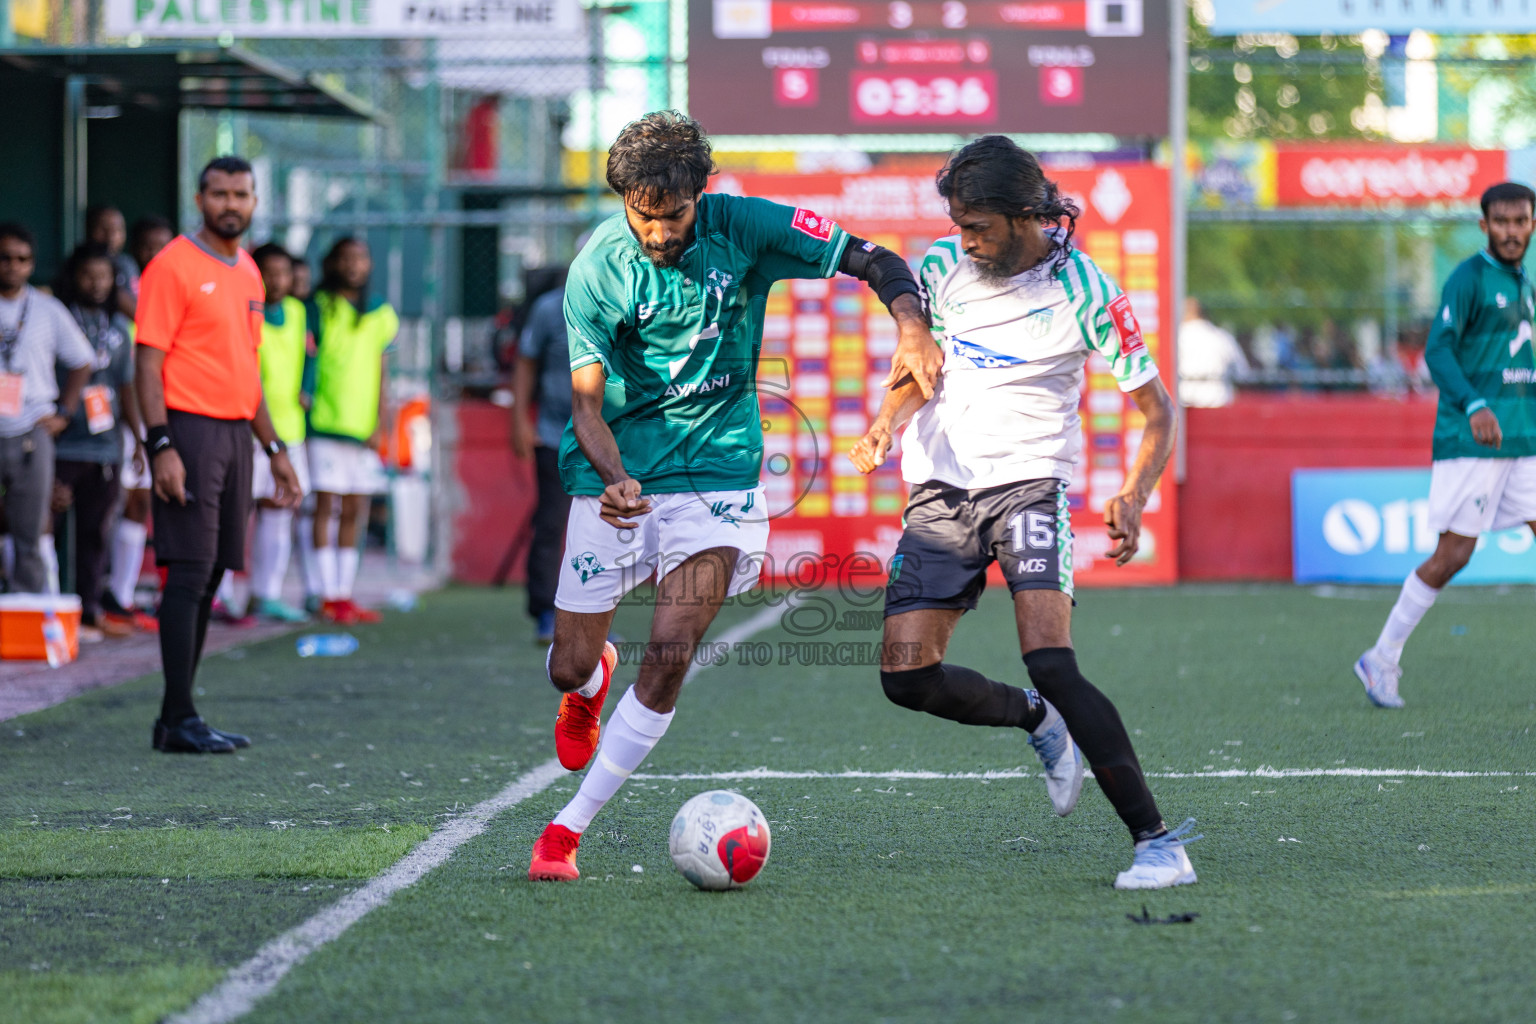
(1346, 17)
(1372, 526)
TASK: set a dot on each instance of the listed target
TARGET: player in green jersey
(1484, 474)
(664, 309)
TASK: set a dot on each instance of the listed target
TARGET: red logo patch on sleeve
(1126, 326)
(814, 224)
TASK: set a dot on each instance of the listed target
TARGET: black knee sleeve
(1096, 727)
(962, 695)
(912, 687)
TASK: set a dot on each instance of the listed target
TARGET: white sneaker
(1160, 862)
(1380, 677)
(1062, 761)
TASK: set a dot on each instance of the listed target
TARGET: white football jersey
(1005, 408)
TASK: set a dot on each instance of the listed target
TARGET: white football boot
(1160, 862)
(1062, 761)
(1380, 677)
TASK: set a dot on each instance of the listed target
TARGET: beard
(228, 225)
(668, 255)
(1511, 250)
(1008, 263)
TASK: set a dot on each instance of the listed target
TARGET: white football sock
(629, 737)
(330, 573)
(590, 688)
(127, 559)
(50, 555)
(270, 550)
(1417, 597)
(314, 586)
(347, 560)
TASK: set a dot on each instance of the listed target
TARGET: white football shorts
(602, 563)
(262, 484)
(1471, 496)
(345, 467)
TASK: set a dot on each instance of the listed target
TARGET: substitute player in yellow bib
(283, 354)
(353, 330)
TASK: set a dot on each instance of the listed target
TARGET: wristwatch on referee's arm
(274, 447)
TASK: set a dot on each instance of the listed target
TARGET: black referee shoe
(191, 736)
(240, 742)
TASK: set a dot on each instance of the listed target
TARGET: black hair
(267, 251)
(227, 164)
(1508, 192)
(64, 285)
(330, 275)
(662, 154)
(96, 211)
(20, 232)
(147, 223)
(994, 174)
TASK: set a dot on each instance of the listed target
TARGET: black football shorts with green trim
(952, 536)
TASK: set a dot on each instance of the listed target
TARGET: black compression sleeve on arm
(883, 270)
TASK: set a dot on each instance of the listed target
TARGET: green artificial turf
(1378, 898)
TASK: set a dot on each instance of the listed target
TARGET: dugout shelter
(87, 126)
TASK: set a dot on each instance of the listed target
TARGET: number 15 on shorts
(1033, 531)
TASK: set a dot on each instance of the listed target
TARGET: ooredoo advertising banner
(1412, 175)
(827, 346)
(797, 67)
(1345, 17)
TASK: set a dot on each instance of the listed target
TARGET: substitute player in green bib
(664, 309)
(352, 330)
(1484, 473)
(283, 354)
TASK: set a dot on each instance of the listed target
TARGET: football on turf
(719, 840)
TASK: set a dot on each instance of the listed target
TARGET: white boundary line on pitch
(247, 984)
(1262, 772)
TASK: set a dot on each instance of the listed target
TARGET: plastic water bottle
(326, 645)
(55, 644)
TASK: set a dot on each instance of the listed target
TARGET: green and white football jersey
(1479, 354)
(1005, 409)
(680, 344)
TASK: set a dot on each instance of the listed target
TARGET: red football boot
(361, 615)
(554, 855)
(577, 727)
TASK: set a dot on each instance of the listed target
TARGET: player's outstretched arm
(1122, 513)
(897, 407)
(621, 498)
(888, 275)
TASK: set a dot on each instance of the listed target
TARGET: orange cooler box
(21, 624)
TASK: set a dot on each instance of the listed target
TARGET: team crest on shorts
(587, 565)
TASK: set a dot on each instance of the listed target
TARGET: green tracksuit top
(1479, 354)
(680, 344)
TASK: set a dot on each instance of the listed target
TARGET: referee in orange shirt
(199, 386)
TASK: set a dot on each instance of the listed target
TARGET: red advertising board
(774, 67)
(827, 345)
(1371, 175)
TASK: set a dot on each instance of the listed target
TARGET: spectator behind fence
(105, 226)
(1209, 357)
(542, 376)
(89, 452)
(36, 333)
(147, 237)
(199, 392)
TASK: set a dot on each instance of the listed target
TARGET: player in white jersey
(1018, 312)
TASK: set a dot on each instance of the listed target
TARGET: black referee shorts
(951, 536)
(210, 527)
